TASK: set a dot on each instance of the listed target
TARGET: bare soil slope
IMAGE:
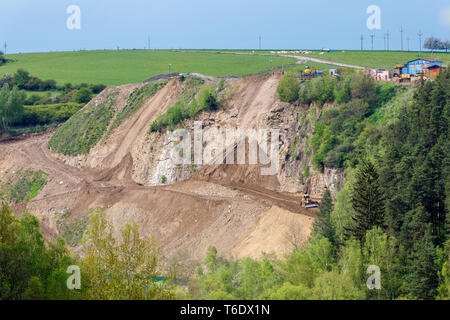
(232, 207)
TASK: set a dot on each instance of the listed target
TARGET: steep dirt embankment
(232, 207)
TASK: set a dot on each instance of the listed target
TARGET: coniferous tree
(323, 225)
(367, 200)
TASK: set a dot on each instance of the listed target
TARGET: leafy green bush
(364, 87)
(187, 106)
(288, 88)
(48, 113)
(83, 130)
(11, 107)
(343, 89)
(335, 133)
(83, 95)
(206, 99)
(320, 90)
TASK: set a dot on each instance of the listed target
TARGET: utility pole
(384, 39)
(401, 36)
(149, 42)
(371, 38)
(387, 39)
(362, 42)
(6, 46)
(259, 42)
(420, 34)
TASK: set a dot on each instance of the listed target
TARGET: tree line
(434, 44)
(57, 105)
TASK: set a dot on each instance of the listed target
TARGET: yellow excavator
(307, 202)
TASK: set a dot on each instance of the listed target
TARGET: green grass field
(130, 66)
(377, 59)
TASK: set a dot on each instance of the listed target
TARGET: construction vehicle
(307, 202)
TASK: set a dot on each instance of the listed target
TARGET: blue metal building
(419, 65)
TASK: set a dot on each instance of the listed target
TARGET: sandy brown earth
(229, 206)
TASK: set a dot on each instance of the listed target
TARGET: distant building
(420, 66)
(433, 71)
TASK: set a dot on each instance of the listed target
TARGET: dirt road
(190, 214)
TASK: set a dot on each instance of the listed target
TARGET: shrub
(364, 87)
(288, 88)
(83, 95)
(187, 106)
(97, 88)
(48, 113)
(21, 78)
(11, 106)
(6, 79)
(320, 90)
(206, 99)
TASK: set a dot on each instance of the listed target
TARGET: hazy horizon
(29, 26)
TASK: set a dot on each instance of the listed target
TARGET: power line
(420, 34)
(401, 36)
(387, 40)
(371, 38)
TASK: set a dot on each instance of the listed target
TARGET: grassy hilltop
(130, 66)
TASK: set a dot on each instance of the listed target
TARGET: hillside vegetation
(85, 129)
(391, 211)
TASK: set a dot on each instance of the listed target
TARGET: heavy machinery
(307, 202)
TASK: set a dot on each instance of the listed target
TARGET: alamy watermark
(374, 281)
(213, 146)
(74, 20)
(74, 280)
(374, 20)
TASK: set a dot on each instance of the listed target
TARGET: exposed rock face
(132, 174)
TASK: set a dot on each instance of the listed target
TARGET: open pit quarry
(232, 207)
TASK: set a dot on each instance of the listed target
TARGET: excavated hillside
(130, 172)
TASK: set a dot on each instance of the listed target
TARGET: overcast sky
(40, 25)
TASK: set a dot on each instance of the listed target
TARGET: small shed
(432, 71)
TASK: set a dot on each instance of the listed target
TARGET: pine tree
(367, 200)
(323, 225)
